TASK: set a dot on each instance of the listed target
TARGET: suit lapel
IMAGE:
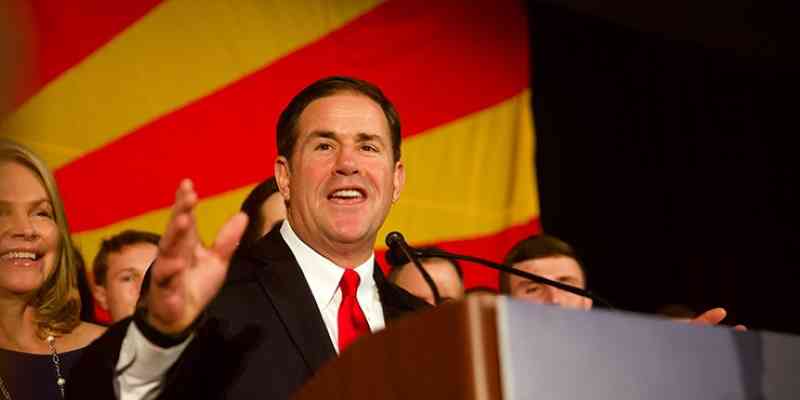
(284, 284)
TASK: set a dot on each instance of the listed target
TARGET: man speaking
(290, 302)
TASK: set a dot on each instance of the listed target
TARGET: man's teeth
(346, 194)
(19, 254)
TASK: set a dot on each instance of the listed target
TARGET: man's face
(557, 268)
(272, 211)
(342, 179)
(126, 269)
(443, 274)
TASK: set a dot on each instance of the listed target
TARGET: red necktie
(352, 322)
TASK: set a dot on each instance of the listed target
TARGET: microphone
(397, 242)
(431, 253)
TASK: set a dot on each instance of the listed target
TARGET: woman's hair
(57, 302)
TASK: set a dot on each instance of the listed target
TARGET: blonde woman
(41, 335)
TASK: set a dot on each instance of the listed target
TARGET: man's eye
(531, 289)
(323, 146)
(369, 147)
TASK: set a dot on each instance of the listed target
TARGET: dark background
(665, 152)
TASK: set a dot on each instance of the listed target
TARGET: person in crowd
(41, 334)
(294, 299)
(551, 258)
(265, 208)
(554, 259)
(119, 268)
(480, 289)
(446, 274)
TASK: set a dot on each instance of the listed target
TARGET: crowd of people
(290, 281)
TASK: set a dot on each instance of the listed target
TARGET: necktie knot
(349, 283)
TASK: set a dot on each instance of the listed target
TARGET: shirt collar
(322, 274)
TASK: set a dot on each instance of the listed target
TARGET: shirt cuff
(143, 361)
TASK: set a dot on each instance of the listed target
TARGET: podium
(488, 347)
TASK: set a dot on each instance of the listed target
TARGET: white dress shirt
(323, 278)
(142, 365)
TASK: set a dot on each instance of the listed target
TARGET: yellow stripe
(469, 178)
(180, 51)
(212, 213)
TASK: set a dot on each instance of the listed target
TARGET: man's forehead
(132, 249)
(344, 113)
(561, 265)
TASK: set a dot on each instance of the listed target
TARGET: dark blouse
(33, 376)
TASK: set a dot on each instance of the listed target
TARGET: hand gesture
(186, 274)
(711, 317)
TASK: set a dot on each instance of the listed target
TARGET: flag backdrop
(129, 97)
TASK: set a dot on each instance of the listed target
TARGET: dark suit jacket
(263, 336)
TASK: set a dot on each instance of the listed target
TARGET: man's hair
(287, 122)
(399, 261)
(252, 207)
(115, 244)
(533, 247)
(481, 289)
(57, 301)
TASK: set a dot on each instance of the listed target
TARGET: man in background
(551, 258)
(119, 268)
(446, 274)
(264, 207)
(554, 259)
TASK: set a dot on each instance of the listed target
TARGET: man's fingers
(711, 317)
(740, 328)
(181, 220)
(185, 197)
(177, 231)
(229, 235)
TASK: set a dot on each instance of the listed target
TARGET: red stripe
(438, 61)
(66, 32)
(492, 247)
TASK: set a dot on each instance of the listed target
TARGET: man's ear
(283, 177)
(399, 180)
(99, 293)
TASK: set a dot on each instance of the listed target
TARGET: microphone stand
(395, 239)
(513, 271)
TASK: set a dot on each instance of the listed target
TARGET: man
(264, 208)
(556, 260)
(551, 258)
(446, 274)
(296, 297)
(118, 270)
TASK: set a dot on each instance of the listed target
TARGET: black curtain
(666, 161)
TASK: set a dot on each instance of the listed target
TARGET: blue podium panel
(549, 353)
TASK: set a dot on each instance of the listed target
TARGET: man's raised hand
(187, 275)
(711, 317)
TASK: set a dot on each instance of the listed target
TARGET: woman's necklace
(51, 343)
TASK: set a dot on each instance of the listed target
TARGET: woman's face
(29, 238)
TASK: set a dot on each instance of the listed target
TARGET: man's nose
(346, 162)
(550, 296)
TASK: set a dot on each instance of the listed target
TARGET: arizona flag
(129, 97)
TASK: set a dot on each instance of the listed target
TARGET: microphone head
(394, 238)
